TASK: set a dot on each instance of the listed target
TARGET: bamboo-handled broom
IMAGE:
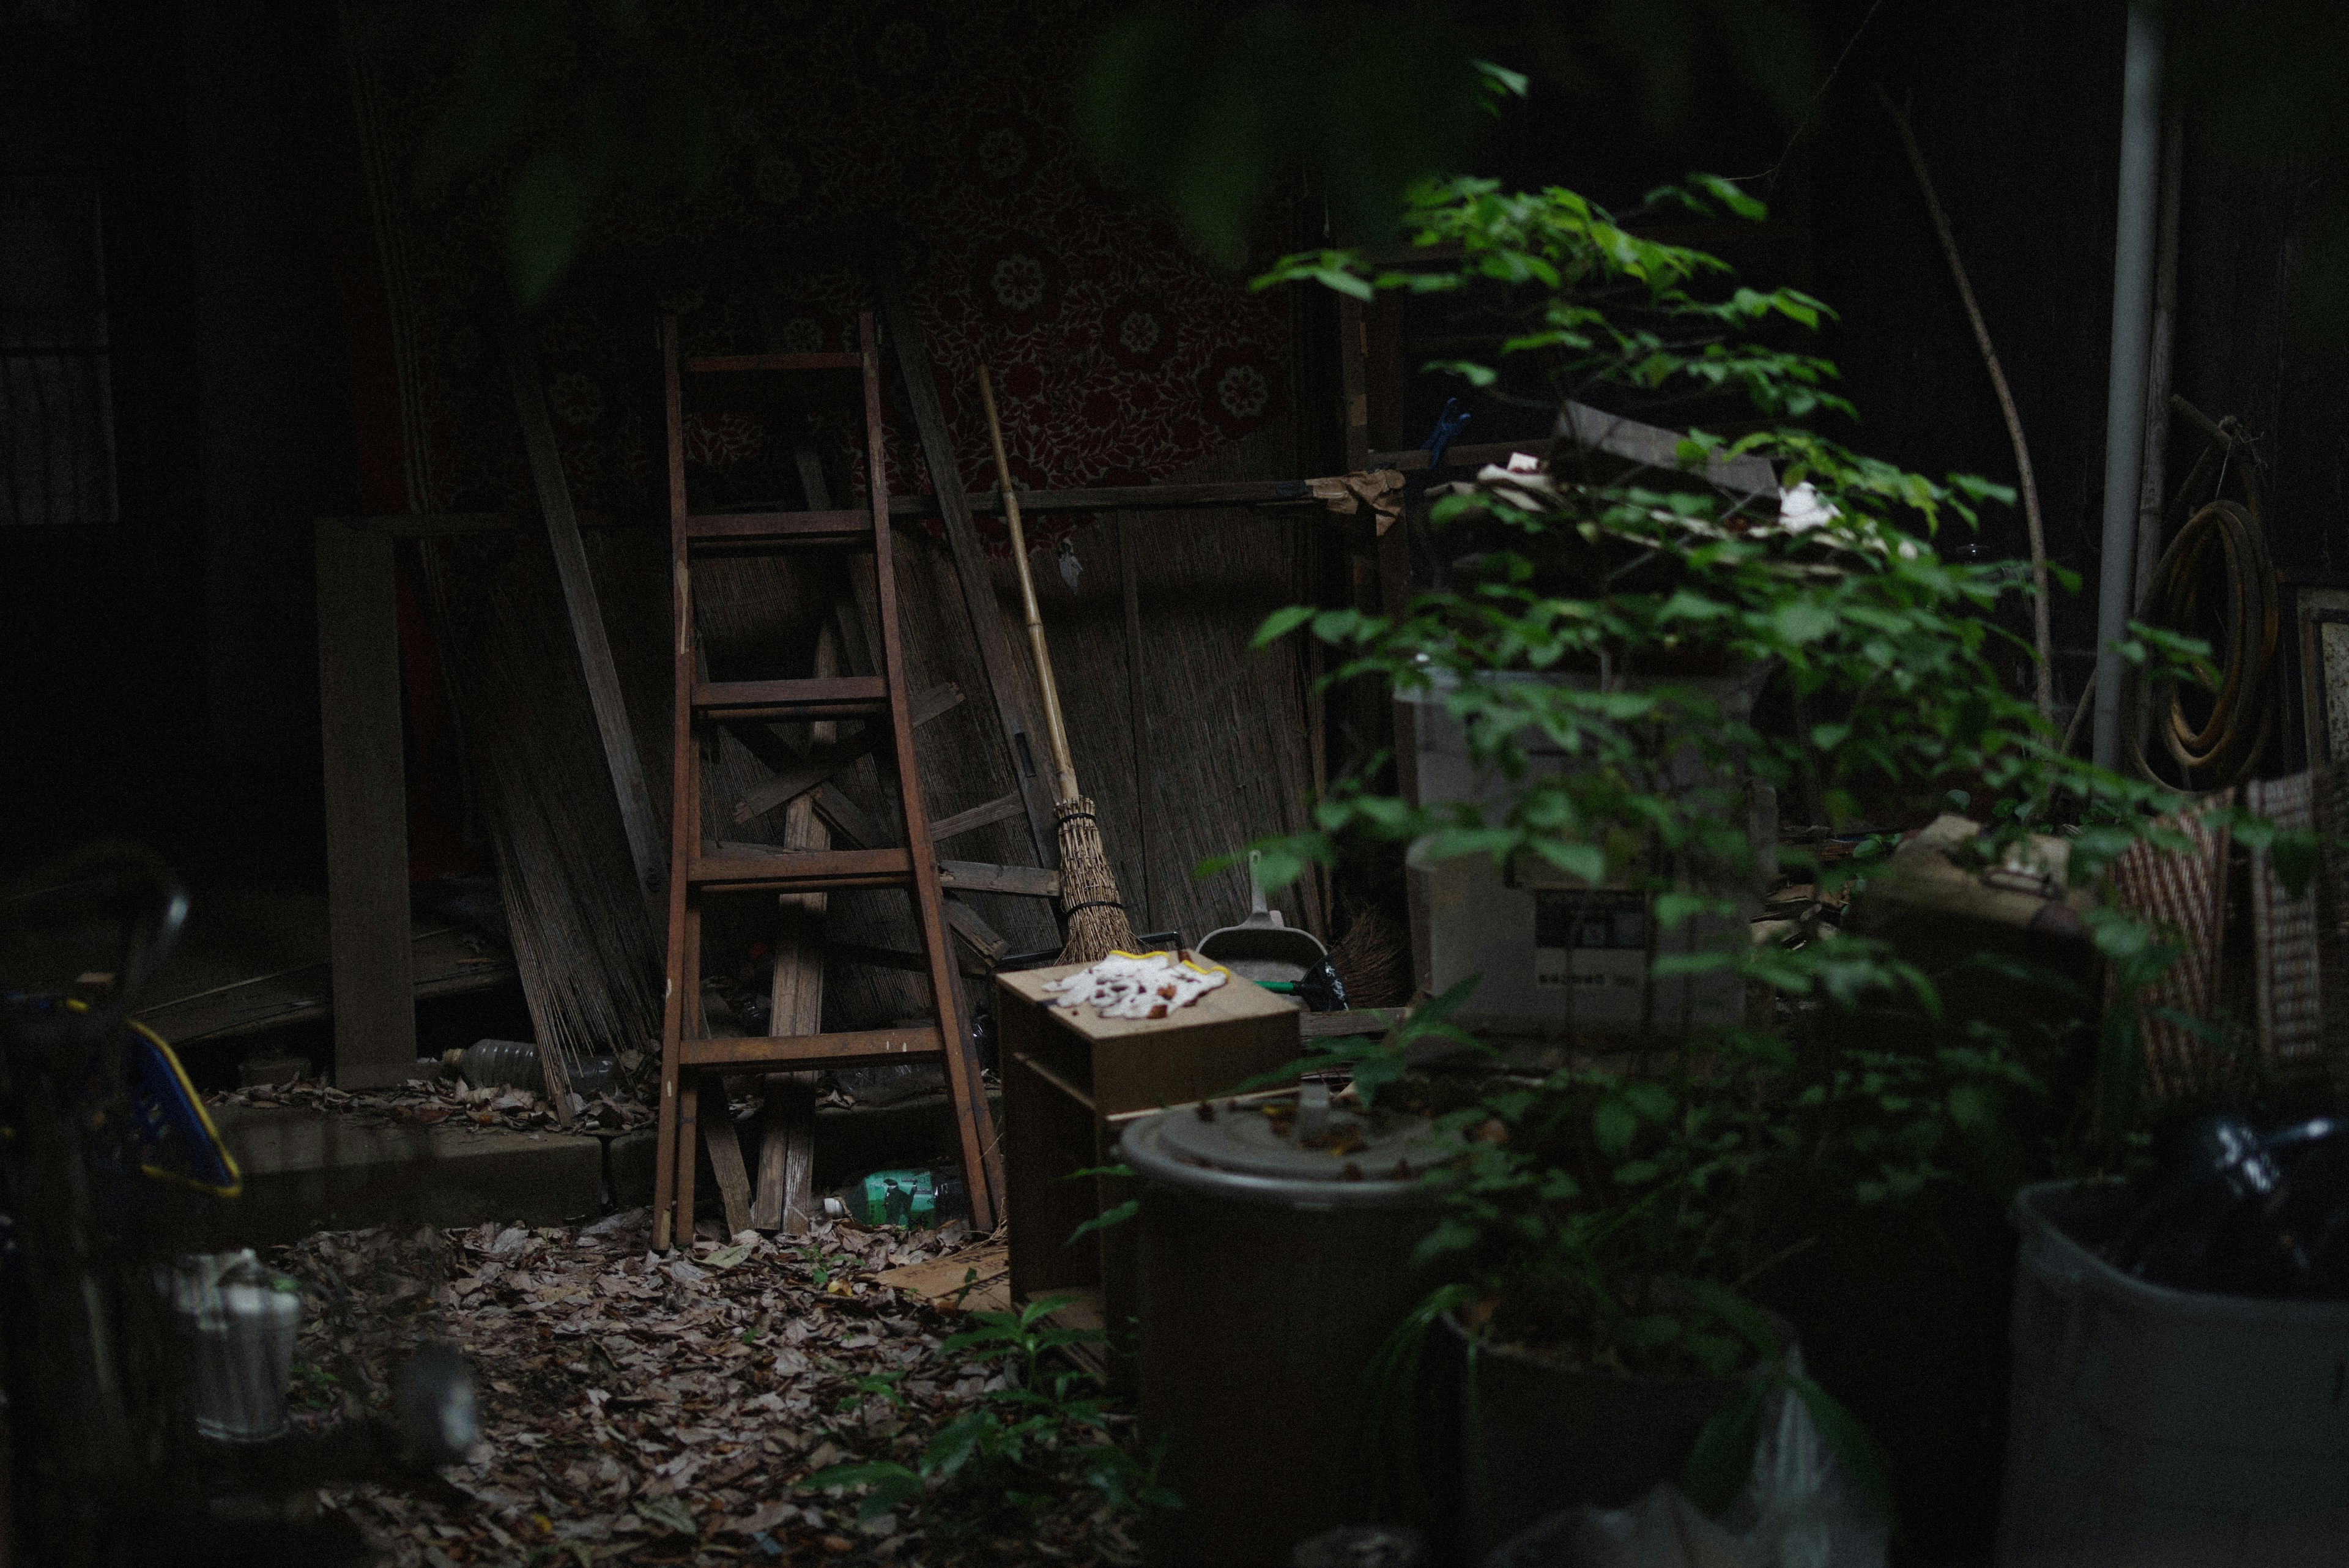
(1095, 918)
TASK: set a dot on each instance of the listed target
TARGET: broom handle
(1065, 770)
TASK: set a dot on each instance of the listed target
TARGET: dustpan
(1262, 947)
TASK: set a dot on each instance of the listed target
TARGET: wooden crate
(1072, 1079)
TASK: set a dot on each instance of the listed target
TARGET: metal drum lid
(1332, 1143)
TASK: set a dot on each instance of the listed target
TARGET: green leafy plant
(1598, 629)
(1046, 1427)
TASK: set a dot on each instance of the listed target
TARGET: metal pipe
(2133, 245)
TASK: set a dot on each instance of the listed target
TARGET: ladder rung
(831, 697)
(720, 364)
(801, 871)
(859, 1048)
(780, 530)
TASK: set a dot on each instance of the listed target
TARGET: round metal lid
(1311, 1144)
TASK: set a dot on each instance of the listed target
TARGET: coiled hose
(2229, 744)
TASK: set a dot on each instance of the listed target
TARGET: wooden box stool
(1072, 1079)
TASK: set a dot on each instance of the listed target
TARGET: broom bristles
(1373, 959)
(1097, 923)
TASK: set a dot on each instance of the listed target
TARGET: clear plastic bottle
(513, 1065)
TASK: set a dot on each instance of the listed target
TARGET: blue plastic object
(1448, 426)
(170, 1128)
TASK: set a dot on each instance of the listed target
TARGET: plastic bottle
(515, 1065)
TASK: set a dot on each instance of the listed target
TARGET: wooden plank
(824, 699)
(1360, 1021)
(1466, 454)
(982, 1157)
(671, 1110)
(786, 1196)
(1353, 382)
(689, 1129)
(712, 532)
(587, 634)
(1632, 441)
(847, 819)
(729, 364)
(811, 870)
(368, 932)
(1126, 497)
(1129, 539)
(1009, 681)
(856, 1048)
(785, 787)
(979, 877)
(1654, 446)
(977, 1279)
(988, 943)
(725, 1146)
(1002, 808)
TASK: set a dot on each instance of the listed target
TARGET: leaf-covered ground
(644, 1409)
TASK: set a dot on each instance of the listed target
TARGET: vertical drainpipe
(2124, 391)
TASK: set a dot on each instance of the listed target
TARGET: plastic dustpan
(1262, 947)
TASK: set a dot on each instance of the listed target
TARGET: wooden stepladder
(700, 869)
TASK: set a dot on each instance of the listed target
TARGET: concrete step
(305, 1171)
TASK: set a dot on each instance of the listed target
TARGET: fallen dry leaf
(650, 1410)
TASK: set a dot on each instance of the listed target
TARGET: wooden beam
(859, 1048)
(587, 634)
(786, 1200)
(1125, 498)
(369, 934)
(725, 1147)
(1353, 383)
(849, 821)
(978, 876)
(989, 943)
(1007, 680)
(822, 762)
(1001, 809)
(447, 524)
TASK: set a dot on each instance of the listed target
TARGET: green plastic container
(895, 1198)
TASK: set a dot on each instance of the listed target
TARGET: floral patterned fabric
(1118, 356)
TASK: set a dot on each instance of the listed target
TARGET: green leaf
(1116, 1214)
(1746, 1320)
(1672, 908)
(1587, 861)
(1723, 1456)
(1281, 622)
(1730, 197)
(1501, 80)
(1800, 622)
(2295, 856)
(1688, 605)
(1613, 1125)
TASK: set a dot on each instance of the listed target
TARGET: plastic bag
(1799, 1509)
